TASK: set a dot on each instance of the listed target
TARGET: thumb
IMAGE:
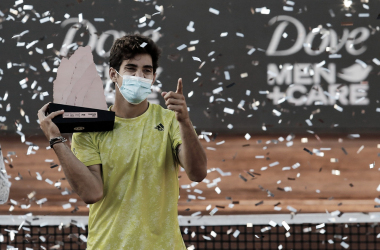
(163, 93)
(179, 87)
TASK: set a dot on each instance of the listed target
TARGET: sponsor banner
(247, 66)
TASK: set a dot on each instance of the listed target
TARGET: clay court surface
(314, 189)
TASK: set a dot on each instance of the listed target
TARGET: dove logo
(355, 73)
(303, 80)
(351, 40)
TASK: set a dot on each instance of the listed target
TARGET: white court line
(262, 219)
(12, 220)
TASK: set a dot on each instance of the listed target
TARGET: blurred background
(283, 95)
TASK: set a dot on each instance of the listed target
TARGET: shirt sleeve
(84, 148)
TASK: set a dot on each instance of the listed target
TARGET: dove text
(318, 40)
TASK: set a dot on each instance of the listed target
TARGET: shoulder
(158, 110)
(84, 136)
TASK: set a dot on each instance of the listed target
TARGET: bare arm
(85, 181)
(191, 154)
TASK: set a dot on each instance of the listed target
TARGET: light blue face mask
(135, 89)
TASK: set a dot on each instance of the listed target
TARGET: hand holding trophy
(78, 90)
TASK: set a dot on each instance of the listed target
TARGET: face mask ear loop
(116, 82)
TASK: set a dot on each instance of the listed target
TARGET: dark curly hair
(128, 47)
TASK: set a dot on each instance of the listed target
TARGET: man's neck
(124, 109)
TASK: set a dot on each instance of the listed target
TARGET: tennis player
(130, 175)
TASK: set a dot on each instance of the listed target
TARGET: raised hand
(176, 101)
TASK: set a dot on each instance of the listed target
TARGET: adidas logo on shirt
(160, 127)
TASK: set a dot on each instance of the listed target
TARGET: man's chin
(135, 104)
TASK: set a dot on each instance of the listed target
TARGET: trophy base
(80, 119)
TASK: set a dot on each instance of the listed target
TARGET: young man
(130, 174)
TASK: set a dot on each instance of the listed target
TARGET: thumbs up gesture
(176, 101)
